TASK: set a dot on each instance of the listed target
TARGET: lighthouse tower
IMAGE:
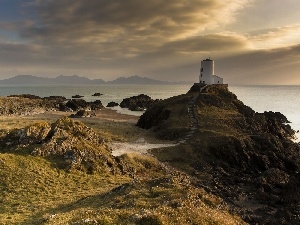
(207, 73)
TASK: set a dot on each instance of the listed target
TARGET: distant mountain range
(71, 80)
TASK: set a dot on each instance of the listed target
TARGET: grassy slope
(214, 123)
(35, 191)
(32, 188)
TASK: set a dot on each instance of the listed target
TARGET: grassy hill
(246, 158)
(38, 188)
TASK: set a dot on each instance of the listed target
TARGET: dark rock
(77, 96)
(80, 104)
(250, 158)
(96, 105)
(77, 104)
(97, 94)
(80, 113)
(138, 103)
(62, 107)
(112, 104)
(196, 88)
(153, 117)
(56, 98)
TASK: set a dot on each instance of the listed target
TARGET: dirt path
(140, 147)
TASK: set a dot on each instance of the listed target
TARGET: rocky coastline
(225, 159)
(250, 158)
(27, 104)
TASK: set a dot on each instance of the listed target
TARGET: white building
(207, 71)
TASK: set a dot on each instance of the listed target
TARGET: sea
(284, 99)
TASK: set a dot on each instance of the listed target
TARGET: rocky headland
(227, 164)
(249, 159)
(27, 104)
(138, 103)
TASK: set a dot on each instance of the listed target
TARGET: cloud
(160, 39)
(118, 36)
(127, 23)
(264, 67)
(209, 43)
(276, 37)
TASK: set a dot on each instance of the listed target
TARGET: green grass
(35, 192)
(31, 188)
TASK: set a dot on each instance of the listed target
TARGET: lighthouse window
(201, 74)
(201, 69)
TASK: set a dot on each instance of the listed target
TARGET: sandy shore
(118, 129)
(120, 148)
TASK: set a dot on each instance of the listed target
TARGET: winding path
(142, 147)
(192, 115)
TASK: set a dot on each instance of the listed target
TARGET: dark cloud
(208, 43)
(103, 21)
(161, 39)
(128, 36)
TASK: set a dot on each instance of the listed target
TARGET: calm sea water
(284, 99)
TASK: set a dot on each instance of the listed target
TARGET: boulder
(56, 98)
(138, 103)
(153, 117)
(97, 94)
(62, 107)
(112, 104)
(77, 104)
(82, 113)
(96, 105)
(77, 96)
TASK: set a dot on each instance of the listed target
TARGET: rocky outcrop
(56, 97)
(72, 144)
(249, 157)
(153, 117)
(82, 113)
(80, 104)
(27, 105)
(97, 94)
(96, 105)
(25, 96)
(30, 104)
(77, 96)
(77, 104)
(138, 103)
(112, 104)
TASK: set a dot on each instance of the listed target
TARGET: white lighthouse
(207, 71)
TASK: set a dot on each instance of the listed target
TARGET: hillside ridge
(80, 80)
(246, 157)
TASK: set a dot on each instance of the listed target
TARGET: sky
(253, 42)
